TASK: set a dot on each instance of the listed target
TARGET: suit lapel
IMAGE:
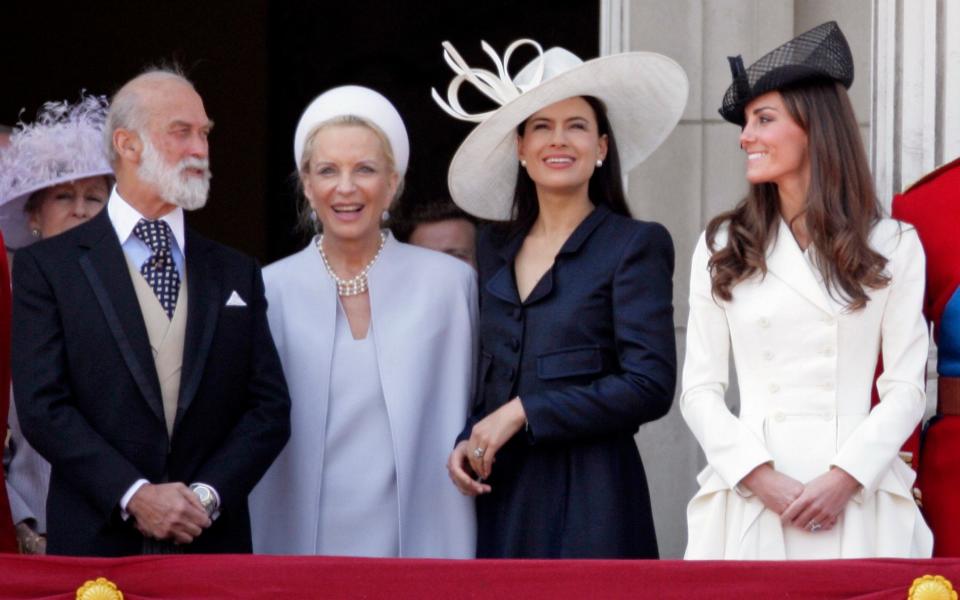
(785, 260)
(502, 284)
(204, 287)
(105, 268)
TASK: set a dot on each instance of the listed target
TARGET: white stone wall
(698, 172)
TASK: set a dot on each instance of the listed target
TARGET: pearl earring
(35, 233)
(523, 163)
(599, 163)
(385, 215)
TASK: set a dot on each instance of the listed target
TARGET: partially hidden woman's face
(349, 180)
(561, 145)
(64, 206)
(775, 144)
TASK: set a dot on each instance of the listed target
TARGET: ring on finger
(478, 452)
(813, 526)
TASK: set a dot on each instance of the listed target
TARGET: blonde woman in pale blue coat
(377, 343)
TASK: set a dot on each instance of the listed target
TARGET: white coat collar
(785, 260)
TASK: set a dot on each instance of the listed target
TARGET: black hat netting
(821, 53)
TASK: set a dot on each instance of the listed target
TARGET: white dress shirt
(124, 219)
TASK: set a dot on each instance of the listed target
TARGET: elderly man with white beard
(143, 365)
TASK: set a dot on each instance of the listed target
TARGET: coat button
(827, 386)
(774, 388)
(514, 344)
(764, 322)
(779, 416)
(827, 416)
(828, 350)
(513, 373)
(827, 320)
(515, 313)
(767, 355)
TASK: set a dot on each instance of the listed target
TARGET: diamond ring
(478, 452)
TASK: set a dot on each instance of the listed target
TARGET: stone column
(699, 171)
(916, 100)
(696, 173)
(916, 90)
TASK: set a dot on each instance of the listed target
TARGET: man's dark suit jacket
(89, 399)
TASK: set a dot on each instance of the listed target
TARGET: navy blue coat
(591, 354)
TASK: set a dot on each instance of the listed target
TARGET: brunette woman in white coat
(377, 343)
(807, 283)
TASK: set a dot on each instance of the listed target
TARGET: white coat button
(827, 385)
(774, 388)
(828, 350)
(827, 416)
(779, 416)
(767, 355)
(827, 320)
(764, 322)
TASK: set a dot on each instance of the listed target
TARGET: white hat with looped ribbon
(644, 94)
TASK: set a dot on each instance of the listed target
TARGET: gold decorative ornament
(104, 589)
(932, 587)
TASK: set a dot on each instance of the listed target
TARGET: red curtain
(8, 540)
(240, 577)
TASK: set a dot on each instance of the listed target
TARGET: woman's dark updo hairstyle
(605, 188)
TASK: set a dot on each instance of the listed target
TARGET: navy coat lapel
(105, 267)
(204, 287)
(503, 284)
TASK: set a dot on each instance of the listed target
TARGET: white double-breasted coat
(805, 367)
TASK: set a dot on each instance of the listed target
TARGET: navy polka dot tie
(159, 270)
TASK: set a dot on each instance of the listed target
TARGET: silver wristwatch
(206, 496)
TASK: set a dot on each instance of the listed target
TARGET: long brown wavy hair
(841, 207)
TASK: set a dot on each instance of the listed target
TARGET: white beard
(187, 192)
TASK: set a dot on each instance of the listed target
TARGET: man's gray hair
(127, 110)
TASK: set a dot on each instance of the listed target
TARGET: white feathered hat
(644, 94)
(65, 143)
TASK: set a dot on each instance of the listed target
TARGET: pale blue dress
(359, 506)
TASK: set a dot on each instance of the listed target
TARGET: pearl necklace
(355, 285)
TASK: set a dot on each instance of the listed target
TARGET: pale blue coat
(424, 312)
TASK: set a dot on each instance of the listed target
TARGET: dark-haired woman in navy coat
(576, 329)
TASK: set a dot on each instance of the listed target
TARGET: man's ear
(127, 145)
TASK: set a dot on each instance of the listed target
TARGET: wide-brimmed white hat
(644, 94)
(65, 143)
(357, 101)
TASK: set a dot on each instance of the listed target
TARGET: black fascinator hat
(821, 53)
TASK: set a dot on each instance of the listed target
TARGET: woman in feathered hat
(807, 283)
(576, 316)
(53, 176)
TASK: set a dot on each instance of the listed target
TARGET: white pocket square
(235, 300)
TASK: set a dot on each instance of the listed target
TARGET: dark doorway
(258, 64)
